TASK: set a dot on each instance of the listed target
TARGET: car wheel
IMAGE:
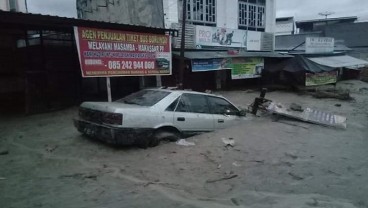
(163, 135)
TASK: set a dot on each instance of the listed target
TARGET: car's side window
(173, 105)
(193, 103)
(222, 106)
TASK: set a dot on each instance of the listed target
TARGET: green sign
(245, 68)
(320, 78)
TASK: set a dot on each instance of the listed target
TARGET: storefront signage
(215, 37)
(241, 68)
(254, 41)
(200, 65)
(319, 45)
(246, 68)
(320, 78)
(107, 53)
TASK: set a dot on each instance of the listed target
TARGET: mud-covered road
(273, 164)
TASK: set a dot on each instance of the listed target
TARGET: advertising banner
(200, 65)
(241, 68)
(246, 68)
(319, 45)
(107, 53)
(215, 36)
(320, 78)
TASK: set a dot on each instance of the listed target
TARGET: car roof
(183, 91)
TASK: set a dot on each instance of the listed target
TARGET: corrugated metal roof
(340, 61)
(17, 19)
(352, 18)
(224, 54)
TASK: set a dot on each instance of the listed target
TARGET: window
(144, 97)
(12, 5)
(201, 12)
(252, 15)
(193, 103)
(222, 106)
(173, 105)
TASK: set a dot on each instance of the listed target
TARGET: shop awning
(340, 61)
(225, 54)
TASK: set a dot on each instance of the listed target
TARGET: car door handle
(181, 119)
(221, 121)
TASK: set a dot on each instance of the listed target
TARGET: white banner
(215, 36)
(319, 45)
(254, 41)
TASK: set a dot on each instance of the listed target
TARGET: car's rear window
(144, 97)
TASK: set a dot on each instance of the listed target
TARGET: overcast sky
(309, 9)
(300, 9)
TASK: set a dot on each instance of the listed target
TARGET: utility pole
(182, 46)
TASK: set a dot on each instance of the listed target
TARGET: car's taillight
(112, 118)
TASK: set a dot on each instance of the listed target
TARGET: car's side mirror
(242, 113)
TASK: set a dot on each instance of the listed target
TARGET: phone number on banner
(131, 65)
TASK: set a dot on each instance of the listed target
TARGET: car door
(192, 114)
(225, 114)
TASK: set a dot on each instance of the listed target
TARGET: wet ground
(47, 163)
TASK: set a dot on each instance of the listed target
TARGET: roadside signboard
(200, 65)
(246, 68)
(320, 78)
(319, 45)
(108, 53)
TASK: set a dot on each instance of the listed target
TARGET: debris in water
(296, 107)
(236, 164)
(4, 152)
(309, 115)
(184, 142)
(222, 179)
(228, 142)
(50, 148)
(296, 177)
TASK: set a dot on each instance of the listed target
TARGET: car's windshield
(144, 97)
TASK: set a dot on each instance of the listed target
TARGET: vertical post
(158, 81)
(27, 97)
(108, 87)
(182, 46)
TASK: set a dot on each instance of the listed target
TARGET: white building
(14, 5)
(285, 26)
(256, 16)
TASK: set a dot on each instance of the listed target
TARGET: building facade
(253, 15)
(14, 5)
(284, 26)
(136, 12)
(249, 24)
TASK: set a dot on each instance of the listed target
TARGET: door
(192, 115)
(225, 114)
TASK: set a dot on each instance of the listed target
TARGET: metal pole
(108, 85)
(182, 46)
